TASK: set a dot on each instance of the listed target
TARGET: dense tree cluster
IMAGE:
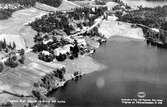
(7, 47)
(151, 17)
(8, 104)
(25, 3)
(5, 13)
(1, 66)
(13, 60)
(100, 2)
(52, 21)
(62, 21)
(48, 81)
(87, 13)
(54, 3)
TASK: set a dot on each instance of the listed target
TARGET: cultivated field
(20, 80)
(14, 27)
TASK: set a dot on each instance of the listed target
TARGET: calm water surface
(132, 67)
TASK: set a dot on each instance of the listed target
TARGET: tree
(4, 44)
(1, 67)
(11, 62)
(1, 43)
(59, 73)
(14, 45)
(61, 57)
(22, 59)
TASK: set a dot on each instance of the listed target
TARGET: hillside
(15, 25)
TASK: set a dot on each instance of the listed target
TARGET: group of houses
(59, 47)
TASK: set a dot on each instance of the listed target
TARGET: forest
(59, 20)
(5, 13)
(48, 81)
(25, 3)
(152, 18)
(54, 3)
(52, 21)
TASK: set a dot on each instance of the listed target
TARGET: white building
(45, 53)
(63, 50)
(155, 30)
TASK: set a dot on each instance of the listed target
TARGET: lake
(132, 67)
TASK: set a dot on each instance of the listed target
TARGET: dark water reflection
(132, 67)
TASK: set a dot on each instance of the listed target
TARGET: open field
(14, 26)
(20, 80)
(115, 28)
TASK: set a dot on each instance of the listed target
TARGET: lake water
(132, 67)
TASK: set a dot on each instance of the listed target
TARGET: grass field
(14, 26)
(20, 80)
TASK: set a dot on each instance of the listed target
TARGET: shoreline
(97, 66)
(85, 64)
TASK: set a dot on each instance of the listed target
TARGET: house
(155, 30)
(112, 17)
(46, 53)
(81, 42)
(47, 41)
(63, 50)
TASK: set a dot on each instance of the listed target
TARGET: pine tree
(1, 45)
(10, 46)
(4, 44)
(14, 45)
